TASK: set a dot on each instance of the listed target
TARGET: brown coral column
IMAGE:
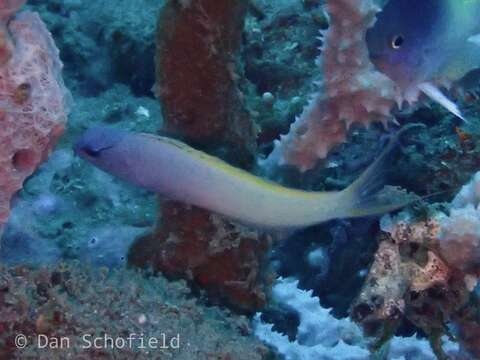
(197, 84)
(197, 74)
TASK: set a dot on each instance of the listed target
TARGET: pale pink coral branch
(352, 92)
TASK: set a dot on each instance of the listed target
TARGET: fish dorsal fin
(181, 145)
(436, 95)
(165, 139)
(187, 149)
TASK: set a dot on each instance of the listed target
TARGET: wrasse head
(95, 144)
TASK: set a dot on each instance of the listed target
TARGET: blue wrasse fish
(179, 172)
(424, 45)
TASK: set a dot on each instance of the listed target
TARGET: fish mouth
(374, 57)
(78, 149)
(84, 150)
(381, 66)
(401, 76)
(96, 140)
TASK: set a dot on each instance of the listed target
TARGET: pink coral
(352, 92)
(459, 238)
(33, 101)
(7, 9)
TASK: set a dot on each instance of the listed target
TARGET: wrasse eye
(91, 152)
(397, 42)
(94, 151)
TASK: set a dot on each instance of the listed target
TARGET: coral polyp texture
(7, 9)
(352, 91)
(33, 101)
(459, 237)
(198, 74)
(10, 7)
(425, 271)
(225, 259)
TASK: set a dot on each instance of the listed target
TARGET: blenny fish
(179, 172)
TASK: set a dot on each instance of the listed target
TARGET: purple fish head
(96, 139)
(404, 42)
(97, 142)
(115, 151)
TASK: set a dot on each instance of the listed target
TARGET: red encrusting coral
(33, 99)
(198, 86)
(224, 258)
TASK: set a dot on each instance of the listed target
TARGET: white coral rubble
(321, 336)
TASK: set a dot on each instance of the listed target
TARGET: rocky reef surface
(72, 311)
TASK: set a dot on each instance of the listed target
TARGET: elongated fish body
(179, 172)
(418, 41)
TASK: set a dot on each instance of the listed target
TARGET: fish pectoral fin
(436, 95)
(474, 39)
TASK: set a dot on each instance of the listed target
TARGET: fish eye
(92, 152)
(397, 42)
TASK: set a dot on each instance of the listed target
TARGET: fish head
(101, 146)
(404, 41)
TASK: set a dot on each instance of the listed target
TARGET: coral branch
(197, 74)
(321, 336)
(352, 92)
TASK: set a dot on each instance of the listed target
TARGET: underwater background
(85, 255)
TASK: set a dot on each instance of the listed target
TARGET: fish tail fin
(369, 195)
